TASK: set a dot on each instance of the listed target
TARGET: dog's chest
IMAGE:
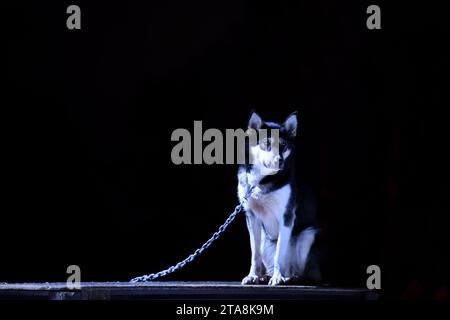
(271, 207)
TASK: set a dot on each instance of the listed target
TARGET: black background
(88, 115)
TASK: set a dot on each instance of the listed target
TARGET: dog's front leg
(281, 271)
(257, 271)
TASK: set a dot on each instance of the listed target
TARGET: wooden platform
(177, 290)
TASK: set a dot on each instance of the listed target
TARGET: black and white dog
(281, 212)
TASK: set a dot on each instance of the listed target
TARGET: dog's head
(274, 144)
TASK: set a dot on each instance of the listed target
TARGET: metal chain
(190, 258)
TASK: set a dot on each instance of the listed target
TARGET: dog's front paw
(277, 280)
(254, 279)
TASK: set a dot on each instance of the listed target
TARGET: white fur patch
(286, 153)
(267, 161)
(302, 248)
(270, 208)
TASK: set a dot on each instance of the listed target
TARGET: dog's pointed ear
(291, 124)
(255, 121)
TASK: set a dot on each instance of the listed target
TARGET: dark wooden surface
(177, 290)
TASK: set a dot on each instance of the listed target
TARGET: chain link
(191, 257)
